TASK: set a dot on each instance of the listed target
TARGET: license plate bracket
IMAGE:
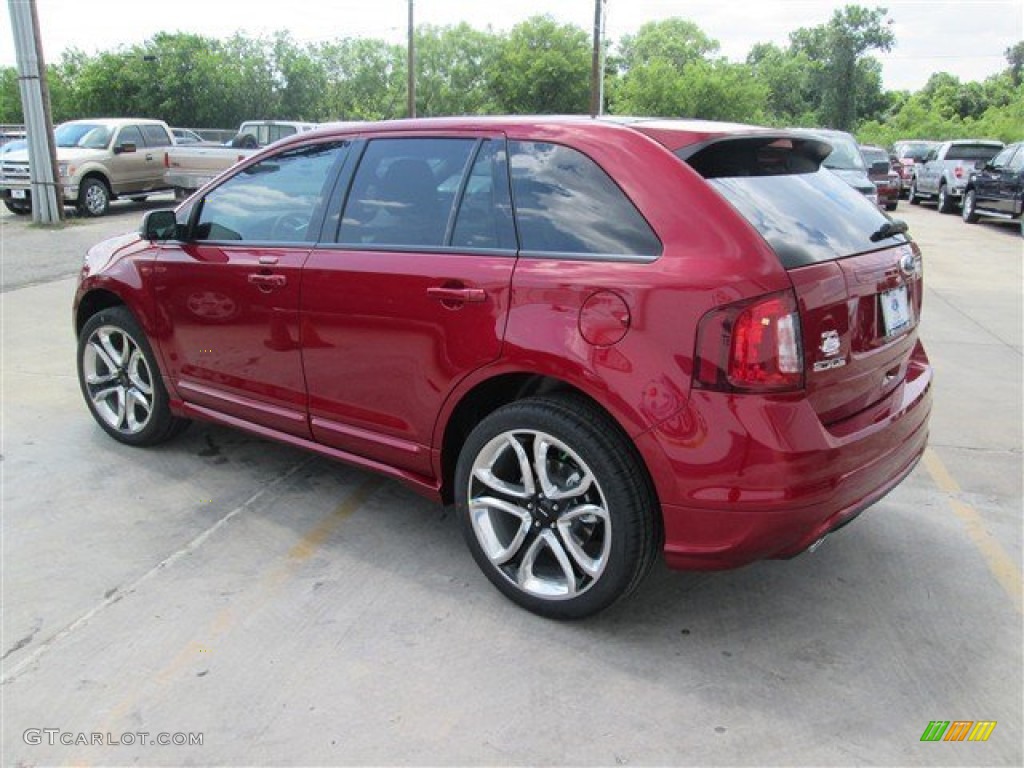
(896, 315)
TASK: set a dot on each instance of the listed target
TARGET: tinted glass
(86, 135)
(872, 156)
(566, 204)
(1017, 163)
(275, 200)
(1003, 157)
(484, 219)
(130, 134)
(971, 152)
(808, 217)
(155, 136)
(845, 155)
(403, 192)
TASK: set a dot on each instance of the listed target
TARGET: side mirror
(126, 147)
(160, 226)
(880, 168)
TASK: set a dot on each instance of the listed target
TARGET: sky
(966, 38)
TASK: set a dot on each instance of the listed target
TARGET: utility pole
(596, 73)
(47, 205)
(411, 88)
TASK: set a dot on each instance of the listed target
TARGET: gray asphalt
(293, 611)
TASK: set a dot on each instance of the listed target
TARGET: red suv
(600, 339)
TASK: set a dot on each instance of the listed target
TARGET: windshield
(86, 135)
(845, 155)
(875, 155)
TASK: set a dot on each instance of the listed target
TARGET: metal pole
(595, 64)
(600, 87)
(411, 89)
(47, 205)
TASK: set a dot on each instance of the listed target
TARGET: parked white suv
(98, 160)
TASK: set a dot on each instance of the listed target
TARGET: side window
(566, 204)
(274, 200)
(155, 136)
(404, 191)
(280, 131)
(484, 220)
(130, 134)
(1017, 163)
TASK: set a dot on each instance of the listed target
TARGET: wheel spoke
(136, 401)
(483, 512)
(115, 355)
(589, 514)
(530, 581)
(138, 372)
(492, 453)
(578, 482)
(108, 362)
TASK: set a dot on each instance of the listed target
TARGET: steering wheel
(290, 227)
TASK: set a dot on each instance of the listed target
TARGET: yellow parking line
(998, 560)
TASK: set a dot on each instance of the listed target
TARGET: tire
(93, 198)
(969, 212)
(18, 209)
(576, 534)
(890, 206)
(912, 194)
(946, 202)
(121, 381)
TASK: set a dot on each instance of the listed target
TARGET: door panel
(412, 299)
(232, 340)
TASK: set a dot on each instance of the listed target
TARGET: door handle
(462, 295)
(267, 282)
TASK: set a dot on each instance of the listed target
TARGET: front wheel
(556, 507)
(18, 209)
(970, 212)
(912, 194)
(120, 381)
(93, 198)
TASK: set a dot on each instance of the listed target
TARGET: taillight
(167, 160)
(752, 346)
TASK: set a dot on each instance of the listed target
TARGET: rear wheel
(946, 202)
(121, 382)
(969, 213)
(556, 507)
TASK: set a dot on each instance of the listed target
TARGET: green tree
(1015, 58)
(788, 78)
(838, 48)
(542, 67)
(451, 70)
(677, 41)
(365, 80)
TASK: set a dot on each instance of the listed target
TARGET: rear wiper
(889, 229)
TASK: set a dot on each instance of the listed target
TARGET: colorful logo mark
(958, 730)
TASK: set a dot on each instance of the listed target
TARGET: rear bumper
(745, 479)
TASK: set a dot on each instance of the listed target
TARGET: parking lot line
(998, 560)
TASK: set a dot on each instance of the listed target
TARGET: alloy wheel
(118, 379)
(539, 514)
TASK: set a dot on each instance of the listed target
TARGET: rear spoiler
(761, 153)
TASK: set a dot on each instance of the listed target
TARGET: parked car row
(980, 178)
(103, 159)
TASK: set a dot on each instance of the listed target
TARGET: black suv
(996, 188)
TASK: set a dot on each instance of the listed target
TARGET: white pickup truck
(189, 167)
(943, 174)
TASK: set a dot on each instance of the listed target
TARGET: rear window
(972, 152)
(872, 156)
(805, 212)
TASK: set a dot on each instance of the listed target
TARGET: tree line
(825, 76)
